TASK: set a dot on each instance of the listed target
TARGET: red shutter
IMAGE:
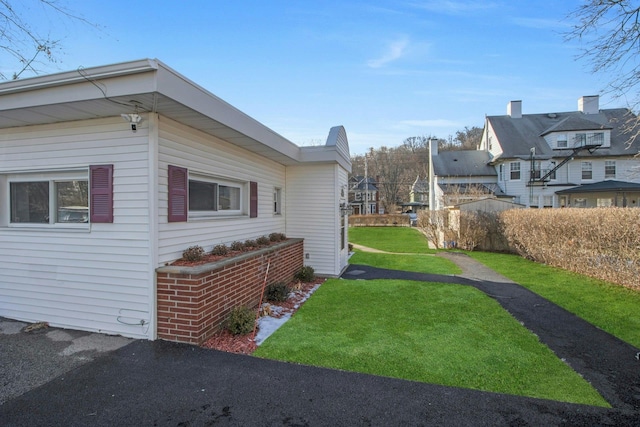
(253, 199)
(178, 187)
(101, 183)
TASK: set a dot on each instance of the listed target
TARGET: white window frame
(277, 201)
(609, 165)
(562, 141)
(52, 177)
(512, 169)
(586, 167)
(218, 182)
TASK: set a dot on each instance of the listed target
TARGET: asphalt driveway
(167, 384)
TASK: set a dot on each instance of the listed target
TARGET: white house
(110, 172)
(580, 158)
(539, 156)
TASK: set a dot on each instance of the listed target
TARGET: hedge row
(602, 242)
(394, 220)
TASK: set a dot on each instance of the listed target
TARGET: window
(604, 203)
(547, 201)
(580, 139)
(277, 201)
(195, 195)
(610, 169)
(515, 171)
(537, 169)
(62, 197)
(580, 203)
(587, 170)
(561, 140)
(596, 138)
(501, 172)
(552, 166)
(533, 201)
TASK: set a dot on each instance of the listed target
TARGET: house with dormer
(364, 197)
(580, 158)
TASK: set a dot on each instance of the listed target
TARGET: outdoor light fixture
(134, 119)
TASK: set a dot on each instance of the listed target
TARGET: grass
(443, 334)
(612, 308)
(391, 239)
(413, 262)
(416, 255)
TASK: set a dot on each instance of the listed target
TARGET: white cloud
(395, 51)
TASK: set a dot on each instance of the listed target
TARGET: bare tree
(610, 30)
(24, 45)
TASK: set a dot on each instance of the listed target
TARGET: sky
(385, 70)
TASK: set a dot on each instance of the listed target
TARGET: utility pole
(366, 186)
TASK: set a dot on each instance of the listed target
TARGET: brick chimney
(514, 109)
(589, 104)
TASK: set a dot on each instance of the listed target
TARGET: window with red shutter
(101, 184)
(178, 187)
(253, 199)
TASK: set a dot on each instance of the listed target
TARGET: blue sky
(385, 70)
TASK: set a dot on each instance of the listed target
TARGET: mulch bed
(245, 344)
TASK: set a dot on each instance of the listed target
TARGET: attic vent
(552, 115)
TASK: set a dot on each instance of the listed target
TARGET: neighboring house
(364, 197)
(564, 159)
(418, 195)
(580, 158)
(110, 172)
(461, 176)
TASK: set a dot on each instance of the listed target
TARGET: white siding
(95, 279)
(313, 214)
(183, 146)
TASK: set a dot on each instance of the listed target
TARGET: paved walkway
(158, 383)
(608, 363)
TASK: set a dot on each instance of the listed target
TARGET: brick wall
(193, 302)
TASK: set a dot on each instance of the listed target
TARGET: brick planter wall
(193, 302)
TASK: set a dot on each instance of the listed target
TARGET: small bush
(250, 244)
(305, 274)
(193, 253)
(220, 250)
(263, 241)
(237, 246)
(277, 292)
(241, 320)
(277, 237)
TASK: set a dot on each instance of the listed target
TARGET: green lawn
(413, 262)
(416, 255)
(391, 239)
(436, 333)
(610, 307)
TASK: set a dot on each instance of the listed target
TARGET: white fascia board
(193, 96)
(324, 154)
(74, 86)
(71, 77)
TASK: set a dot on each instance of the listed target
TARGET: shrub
(277, 237)
(250, 244)
(305, 274)
(237, 246)
(277, 292)
(193, 253)
(241, 320)
(220, 250)
(263, 241)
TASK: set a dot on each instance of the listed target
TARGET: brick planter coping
(193, 302)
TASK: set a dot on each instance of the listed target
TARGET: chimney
(514, 109)
(589, 104)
